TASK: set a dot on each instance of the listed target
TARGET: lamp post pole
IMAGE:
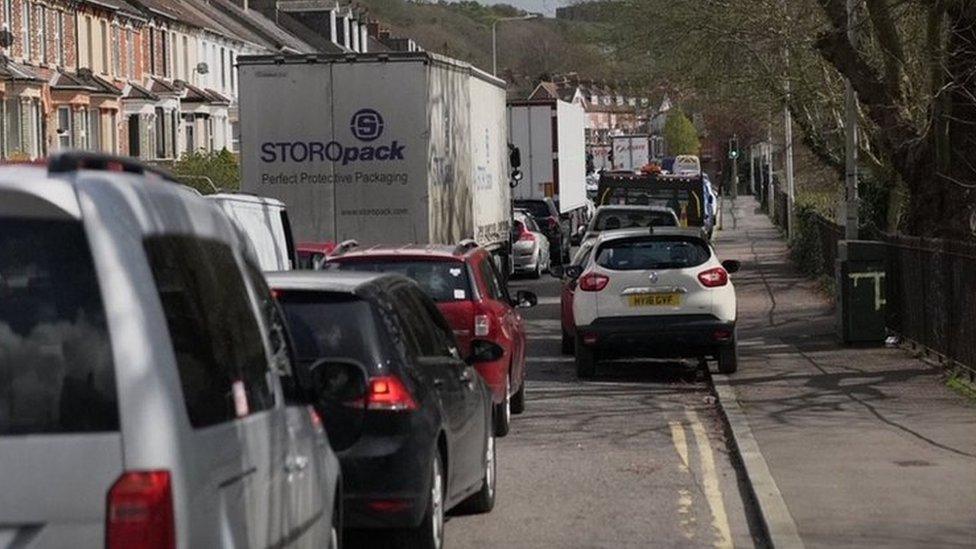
(494, 37)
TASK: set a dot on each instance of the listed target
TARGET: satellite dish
(202, 68)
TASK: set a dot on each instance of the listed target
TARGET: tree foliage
(680, 135)
(209, 172)
(912, 66)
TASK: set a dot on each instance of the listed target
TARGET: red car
(566, 297)
(467, 288)
(311, 254)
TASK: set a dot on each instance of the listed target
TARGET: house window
(116, 52)
(11, 113)
(232, 83)
(152, 51)
(160, 133)
(174, 126)
(59, 36)
(8, 10)
(190, 145)
(130, 50)
(165, 59)
(223, 70)
(89, 42)
(43, 22)
(83, 136)
(186, 60)
(171, 58)
(26, 27)
(95, 129)
(65, 129)
(103, 28)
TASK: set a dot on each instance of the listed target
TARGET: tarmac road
(635, 458)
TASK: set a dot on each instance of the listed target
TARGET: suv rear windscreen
(443, 281)
(539, 209)
(56, 368)
(657, 253)
(330, 324)
(626, 219)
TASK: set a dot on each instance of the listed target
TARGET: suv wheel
(518, 399)
(430, 533)
(585, 360)
(484, 500)
(503, 410)
(568, 345)
(728, 358)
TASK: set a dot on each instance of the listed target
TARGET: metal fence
(931, 296)
(829, 235)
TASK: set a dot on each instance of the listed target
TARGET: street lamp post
(494, 37)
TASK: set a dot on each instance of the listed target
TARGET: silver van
(141, 369)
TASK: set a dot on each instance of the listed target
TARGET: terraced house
(149, 78)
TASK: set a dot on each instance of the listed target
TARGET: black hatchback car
(409, 419)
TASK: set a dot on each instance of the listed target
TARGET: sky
(547, 7)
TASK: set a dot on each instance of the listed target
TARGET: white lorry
(384, 148)
(631, 152)
(550, 135)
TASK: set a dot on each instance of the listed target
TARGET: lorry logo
(367, 125)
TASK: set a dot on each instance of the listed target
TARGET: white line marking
(556, 359)
(713, 492)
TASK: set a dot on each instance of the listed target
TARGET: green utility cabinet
(860, 271)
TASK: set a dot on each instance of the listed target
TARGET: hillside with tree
(527, 50)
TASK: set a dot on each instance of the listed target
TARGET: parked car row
(158, 389)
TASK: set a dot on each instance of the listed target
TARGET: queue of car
(213, 404)
(220, 398)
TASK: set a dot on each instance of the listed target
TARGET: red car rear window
(443, 281)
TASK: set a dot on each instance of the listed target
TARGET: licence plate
(654, 300)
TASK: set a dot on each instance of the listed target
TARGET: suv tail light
(482, 325)
(526, 234)
(389, 393)
(140, 512)
(713, 278)
(593, 282)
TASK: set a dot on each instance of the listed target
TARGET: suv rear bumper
(657, 336)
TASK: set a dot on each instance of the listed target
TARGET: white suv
(141, 362)
(658, 292)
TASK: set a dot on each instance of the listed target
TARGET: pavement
(634, 458)
(850, 447)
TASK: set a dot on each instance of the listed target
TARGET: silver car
(141, 369)
(613, 217)
(531, 246)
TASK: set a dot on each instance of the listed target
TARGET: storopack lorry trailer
(551, 138)
(382, 148)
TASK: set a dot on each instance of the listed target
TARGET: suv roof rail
(465, 245)
(72, 161)
(345, 246)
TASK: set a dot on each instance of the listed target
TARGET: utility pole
(771, 188)
(788, 138)
(850, 203)
(734, 156)
(752, 169)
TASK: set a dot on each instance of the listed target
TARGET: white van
(265, 222)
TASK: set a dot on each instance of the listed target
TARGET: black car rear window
(56, 368)
(330, 324)
(652, 253)
(627, 219)
(537, 208)
(443, 281)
